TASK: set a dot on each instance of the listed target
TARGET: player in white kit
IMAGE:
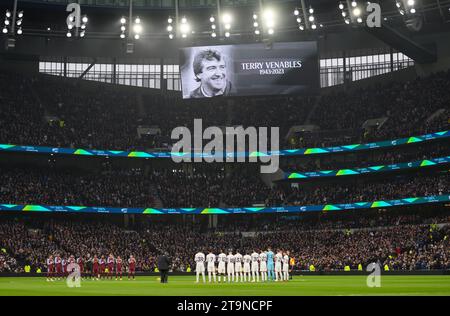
(255, 266)
(200, 266)
(211, 259)
(230, 267)
(278, 271)
(263, 266)
(221, 268)
(247, 260)
(238, 267)
(286, 266)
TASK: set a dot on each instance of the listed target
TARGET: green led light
(346, 172)
(380, 204)
(82, 152)
(152, 211)
(376, 168)
(139, 154)
(35, 208)
(310, 151)
(413, 140)
(213, 211)
(3, 146)
(296, 176)
(331, 207)
(427, 163)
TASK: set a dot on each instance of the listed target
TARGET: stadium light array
(227, 19)
(137, 28)
(170, 27)
(7, 24)
(269, 20)
(302, 18)
(406, 7)
(212, 19)
(256, 25)
(184, 27)
(123, 27)
(353, 14)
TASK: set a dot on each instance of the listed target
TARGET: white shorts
(200, 267)
(238, 267)
(285, 268)
(277, 267)
(221, 268)
(246, 267)
(263, 266)
(255, 267)
(211, 267)
(230, 268)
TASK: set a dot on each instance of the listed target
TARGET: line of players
(93, 267)
(243, 268)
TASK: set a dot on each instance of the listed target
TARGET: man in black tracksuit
(164, 266)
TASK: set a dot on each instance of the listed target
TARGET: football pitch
(185, 286)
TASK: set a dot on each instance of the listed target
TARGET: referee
(163, 266)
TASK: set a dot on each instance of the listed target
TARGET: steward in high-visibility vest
(386, 267)
(188, 269)
(312, 268)
(27, 269)
(347, 268)
(360, 267)
(38, 270)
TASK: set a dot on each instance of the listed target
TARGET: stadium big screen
(250, 70)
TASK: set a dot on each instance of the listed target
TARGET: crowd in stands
(403, 242)
(41, 110)
(365, 159)
(401, 187)
(52, 187)
(210, 186)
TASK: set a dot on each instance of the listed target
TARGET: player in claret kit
(255, 266)
(119, 268)
(111, 265)
(221, 268)
(247, 260)
(102, 264)
(230, 267)
(58, 266)
(211, 259)
(50, 268)
(95, 268)
(80, 263)
(200, 266)
(131, 267)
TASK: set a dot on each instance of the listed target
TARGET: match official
(164, 266)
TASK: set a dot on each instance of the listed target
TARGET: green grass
(185, 286)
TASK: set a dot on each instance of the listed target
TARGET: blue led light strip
(285, 152)
(242, 210)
